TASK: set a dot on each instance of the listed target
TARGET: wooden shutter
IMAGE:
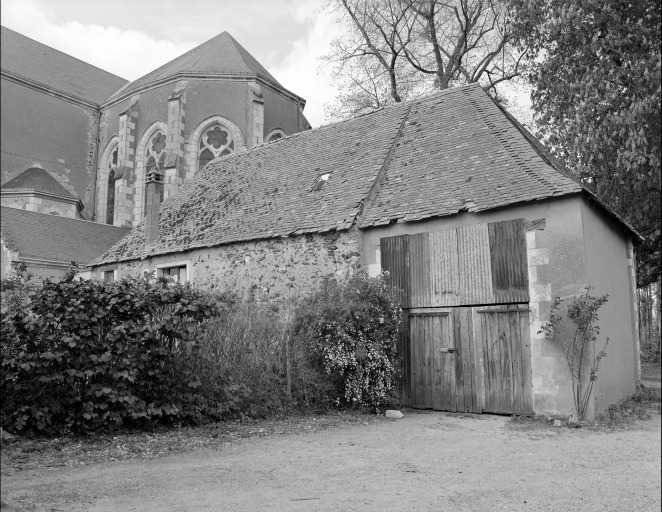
(481, 264)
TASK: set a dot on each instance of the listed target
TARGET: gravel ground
(427, 461)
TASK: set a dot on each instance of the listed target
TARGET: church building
(78, 141)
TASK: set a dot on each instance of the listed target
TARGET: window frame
(175, 264)
(105, 272)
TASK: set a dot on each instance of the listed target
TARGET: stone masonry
(126, 157)
(543, 367)
(273, 269)
(174, 166)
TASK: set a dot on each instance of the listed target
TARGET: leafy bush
(80, 356)
(89, 355)
(354, 326)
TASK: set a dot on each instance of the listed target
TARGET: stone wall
(274, 269)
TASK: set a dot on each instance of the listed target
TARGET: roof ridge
(373, 191)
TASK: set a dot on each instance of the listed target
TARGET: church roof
(452, 151)
(221, 55)
(55, 238)
(39, 180)
(36, 62)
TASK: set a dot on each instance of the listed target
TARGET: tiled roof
(55, 238)
(458, 151)
(220, 55)
(438, 155)
(39, 63)
(38, 180)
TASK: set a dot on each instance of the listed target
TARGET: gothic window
(216, 141)
(110, 197)
(156, 152)
(275, 136)
(155, 158)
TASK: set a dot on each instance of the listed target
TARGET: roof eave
(76, 100)
(615, 216)
(123, 95)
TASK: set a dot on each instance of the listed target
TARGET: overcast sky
(133, 37)
(286, 36)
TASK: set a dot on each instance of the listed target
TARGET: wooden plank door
(502, 342)
(443, 368)
(432, 359)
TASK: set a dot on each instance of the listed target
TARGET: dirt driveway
(425, 462)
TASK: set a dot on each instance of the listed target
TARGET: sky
(286, 36)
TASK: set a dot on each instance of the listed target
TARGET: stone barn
(476, 223)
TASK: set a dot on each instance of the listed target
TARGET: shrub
(354, 327)
(253, 345)
(88, 355)
(576, 331)
(15, 290)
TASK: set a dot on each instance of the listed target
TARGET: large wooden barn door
(464, 341)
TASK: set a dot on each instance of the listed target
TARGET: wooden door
(464, 343)
(432, 360)
(443, 367)
(502, 339)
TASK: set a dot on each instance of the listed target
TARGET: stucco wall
(607, 271)
(51, 133)
(280, 112)
(556, 268)
(40, 204)
(275, 269)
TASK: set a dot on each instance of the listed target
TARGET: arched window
(275, 134)
(155, 152)
(110, 197)
(156, 156)
(215, 141)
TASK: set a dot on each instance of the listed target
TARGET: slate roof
(434, 156)
(39, 63)
(39, 180)
(55, 238)
(220, 55)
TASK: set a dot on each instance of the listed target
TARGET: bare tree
(397, 49)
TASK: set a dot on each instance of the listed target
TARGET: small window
(321, 181)
(109, 276)
(177, 274)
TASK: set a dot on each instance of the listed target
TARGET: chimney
(154, 180)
